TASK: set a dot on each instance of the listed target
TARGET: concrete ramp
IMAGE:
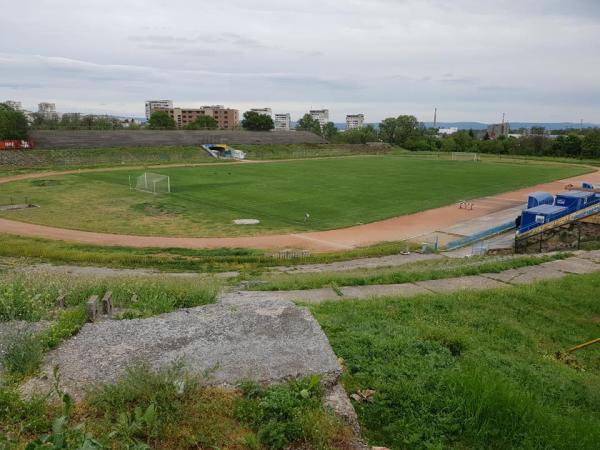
(265, 341)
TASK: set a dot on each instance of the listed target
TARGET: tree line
(404, 131)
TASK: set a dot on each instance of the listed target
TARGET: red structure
(16, 144)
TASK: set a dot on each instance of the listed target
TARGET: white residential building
(265, 111)
(14, 105)
(282, 122)
(322, 115)
(48, 110)
(355, 121)
(447, 131)
(151, 105)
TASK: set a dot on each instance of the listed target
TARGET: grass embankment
(171, 409)
(474, 369)
(69, 159)
(300, 151)
(407, 273)
(205, 201)
(173, 259)
(34, 297)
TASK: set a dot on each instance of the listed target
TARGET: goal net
(153, 183)
(465, 156)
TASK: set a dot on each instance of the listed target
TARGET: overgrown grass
(25, 352)
(419, 271)
(172, 409)
(34, 296)
(174, 259)
(474, 369)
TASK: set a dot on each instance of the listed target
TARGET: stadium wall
(63, 139)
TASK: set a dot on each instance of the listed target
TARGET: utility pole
(435, 118)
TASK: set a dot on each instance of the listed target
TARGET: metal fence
(453, 245)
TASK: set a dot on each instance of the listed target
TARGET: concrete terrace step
(64, 139)
(584, 262)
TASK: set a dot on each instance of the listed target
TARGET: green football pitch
(206, 199)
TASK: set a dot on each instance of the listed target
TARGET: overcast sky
(536, 60)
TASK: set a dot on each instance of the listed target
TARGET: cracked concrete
(582, 263)
(265, 341)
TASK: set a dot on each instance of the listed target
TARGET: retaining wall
(64, 139)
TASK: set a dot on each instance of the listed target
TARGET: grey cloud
(386, 57)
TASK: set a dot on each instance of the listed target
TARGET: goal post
(465, 156)
(153, 183)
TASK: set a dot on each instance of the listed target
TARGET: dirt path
(401, 228)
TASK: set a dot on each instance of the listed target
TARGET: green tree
(13, 124)
(330, 131)
(463, 140)
(160, 120)
(401, 130)
(203, 123)
(590, 147)
(70, 121)
(254, 121)
(308, 123)
(357, 135)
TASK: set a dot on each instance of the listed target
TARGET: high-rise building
(282, 122)
(355, 121)
(152, 105)
(227, 118)
(14, 105)
(322, 115)
(265, 111)
(47, 110)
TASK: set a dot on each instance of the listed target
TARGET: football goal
(465, 156)
(153, 183)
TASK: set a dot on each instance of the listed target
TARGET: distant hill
(483, 126)
(513, 125)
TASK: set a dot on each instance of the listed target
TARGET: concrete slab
(396, 290)
(362, 263)
(506, 276)
(265, 341)
(310, 295)
(486, 222)
(593, 255)
(536, 273)
(573, 265)
(458, 284)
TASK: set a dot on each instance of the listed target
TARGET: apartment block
(355, 121)
(265, 111)
(282, 122)
(48, 110)
(153, 105)
(322, 115)
(14, 105)
(227, 118)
